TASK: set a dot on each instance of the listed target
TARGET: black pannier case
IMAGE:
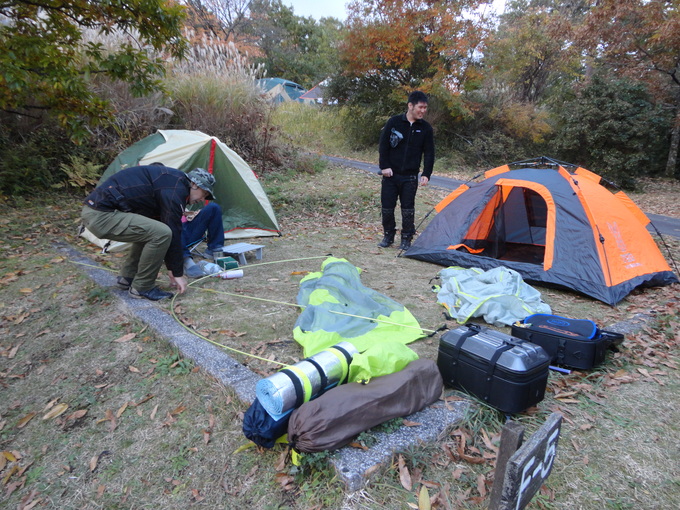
(507, 373)
(573, 343)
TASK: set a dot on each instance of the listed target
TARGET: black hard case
(507, 373)
(571, 352)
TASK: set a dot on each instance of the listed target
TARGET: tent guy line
(255, 298)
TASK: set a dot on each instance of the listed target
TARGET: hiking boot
(124, 283)
(154, 294)
(388, 240)
(405, 243)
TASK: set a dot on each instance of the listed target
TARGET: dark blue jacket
(156, 192)
(414, 141)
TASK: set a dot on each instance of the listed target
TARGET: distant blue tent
(281, 91)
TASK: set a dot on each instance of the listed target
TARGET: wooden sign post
(520, 471)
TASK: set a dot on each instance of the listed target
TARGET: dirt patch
(145, 428)
(658, 196)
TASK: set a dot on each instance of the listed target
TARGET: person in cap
(195, 227)
(405, 141)
(144, 205)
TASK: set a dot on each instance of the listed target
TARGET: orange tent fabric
(554, 223)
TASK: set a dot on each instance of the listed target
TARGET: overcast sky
(318, 9)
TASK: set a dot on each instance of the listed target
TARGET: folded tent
(554, 226)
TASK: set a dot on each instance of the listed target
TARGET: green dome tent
(246, 211)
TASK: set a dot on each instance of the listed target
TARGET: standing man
(404, 140)
(144, 205)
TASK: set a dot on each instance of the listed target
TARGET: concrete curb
(354, 466)
(211, 358)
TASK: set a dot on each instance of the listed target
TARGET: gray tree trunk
(671, 164)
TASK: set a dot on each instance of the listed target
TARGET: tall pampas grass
(214, 90)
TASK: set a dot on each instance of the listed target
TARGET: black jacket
(156, 192)
(413, 141)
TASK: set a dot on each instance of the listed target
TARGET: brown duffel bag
(336, 417)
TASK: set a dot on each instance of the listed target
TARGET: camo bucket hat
(204, 180)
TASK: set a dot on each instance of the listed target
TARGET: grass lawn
(99, 412)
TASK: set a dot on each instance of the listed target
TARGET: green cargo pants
(149, 240)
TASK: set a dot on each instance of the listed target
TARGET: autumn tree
(528, 59)
(47, 66)
(224, 19)
(640, 39)
(532, 48)
(391, 47)
(414, 43)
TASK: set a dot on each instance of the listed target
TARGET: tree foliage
(46, 65)
(293, 47)
(640, 39)
(612, 125)
(532, 49)
(225, 19)
(426, 44)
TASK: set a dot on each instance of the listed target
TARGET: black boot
(388, 240)
(408, 228)
(405, 242)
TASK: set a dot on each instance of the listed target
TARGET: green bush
(32, 163)
(614, 128)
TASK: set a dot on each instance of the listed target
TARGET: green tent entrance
(246, 210)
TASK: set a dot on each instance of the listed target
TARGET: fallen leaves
(125, 338)
(424, 499)
(29, 501)
(24, 421)
(16, 472)
(13, 351)
(464, 451)
(121, 410)
(95, 460)
(57, 410)
(404, 474)
(207, 432)
(111, 418)
(286, 482)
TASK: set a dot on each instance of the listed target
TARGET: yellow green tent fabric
(338, 307)
(380, 359)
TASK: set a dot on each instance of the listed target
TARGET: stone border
(353, 465)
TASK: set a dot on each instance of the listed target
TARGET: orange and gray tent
(554, 226)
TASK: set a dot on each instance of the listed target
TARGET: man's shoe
(405, 243)
(194, 271)
(387, 241)
(154, 294)
(124, 282)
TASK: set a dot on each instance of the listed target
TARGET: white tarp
(499, 295)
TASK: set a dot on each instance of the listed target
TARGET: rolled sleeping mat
(291, 387)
